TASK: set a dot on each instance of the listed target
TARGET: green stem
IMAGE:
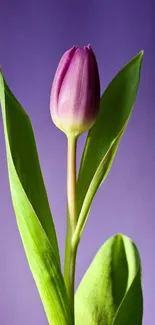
(70, 250)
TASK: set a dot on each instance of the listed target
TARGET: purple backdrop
(33, 36)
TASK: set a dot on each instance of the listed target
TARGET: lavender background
(33, 36)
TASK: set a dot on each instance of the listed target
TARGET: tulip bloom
(75, 93)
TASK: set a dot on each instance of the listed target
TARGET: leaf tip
(140, 54)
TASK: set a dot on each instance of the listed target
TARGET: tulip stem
(70, 250)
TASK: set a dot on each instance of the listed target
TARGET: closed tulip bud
(75, 93)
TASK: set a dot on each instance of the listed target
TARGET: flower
(75, 93)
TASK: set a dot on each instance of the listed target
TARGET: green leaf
(103, 138)
(110, 292)
(32, 208)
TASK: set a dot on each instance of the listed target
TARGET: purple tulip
(75, 93)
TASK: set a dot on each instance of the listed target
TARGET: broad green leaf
(32, 208)
(103, 138)
(110, 292)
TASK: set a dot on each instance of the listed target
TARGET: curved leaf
(103, 138)
(32, 208)
(110, 292)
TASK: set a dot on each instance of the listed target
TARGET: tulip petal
(75, 91)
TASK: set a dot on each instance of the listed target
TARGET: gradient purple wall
(33, 36)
